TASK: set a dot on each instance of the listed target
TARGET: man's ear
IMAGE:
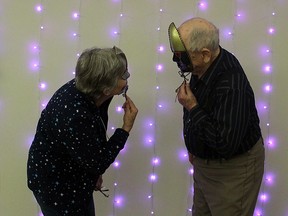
(207, 55)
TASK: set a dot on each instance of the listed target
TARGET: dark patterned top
(70, 150)
(225, 122)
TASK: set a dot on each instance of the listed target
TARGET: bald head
(198, 33)
(197, 22)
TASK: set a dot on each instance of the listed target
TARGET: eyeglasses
(125, 75)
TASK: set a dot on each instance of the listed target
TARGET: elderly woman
(70, 150)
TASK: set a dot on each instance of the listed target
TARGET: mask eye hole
(183, 61)
(181, 56)
(177, 56)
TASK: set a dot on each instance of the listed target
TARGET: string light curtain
(152, 136)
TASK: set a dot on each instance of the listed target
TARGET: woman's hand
(99, 183)
(130, 114)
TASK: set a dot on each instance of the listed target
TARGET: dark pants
(52, 211)
(228, 187)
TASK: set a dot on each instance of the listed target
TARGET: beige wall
(20, 97)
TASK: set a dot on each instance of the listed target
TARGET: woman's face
(122, 84)
(120, 87)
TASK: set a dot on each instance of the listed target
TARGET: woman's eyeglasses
(125, 75)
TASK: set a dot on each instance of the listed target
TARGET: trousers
(228, 187)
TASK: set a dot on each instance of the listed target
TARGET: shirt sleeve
(224, 128)
(85, 141)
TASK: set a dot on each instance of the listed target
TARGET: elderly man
(221, 124)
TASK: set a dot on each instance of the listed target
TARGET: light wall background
(31, 57)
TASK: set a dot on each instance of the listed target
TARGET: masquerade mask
(124, 91)
(180, 54)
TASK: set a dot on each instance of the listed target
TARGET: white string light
(37, 64)
(267, 69)
(159, 68)
(118, 199)
(76, 16)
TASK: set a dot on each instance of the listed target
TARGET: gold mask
(181, 56)
(176, 43)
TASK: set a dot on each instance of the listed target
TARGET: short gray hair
(99, 69)
(200, 38)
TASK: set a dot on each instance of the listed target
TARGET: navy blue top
(70, 150)
(225, 122)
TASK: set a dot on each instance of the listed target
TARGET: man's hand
(186, 96)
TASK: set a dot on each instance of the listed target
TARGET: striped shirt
(225, 122)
